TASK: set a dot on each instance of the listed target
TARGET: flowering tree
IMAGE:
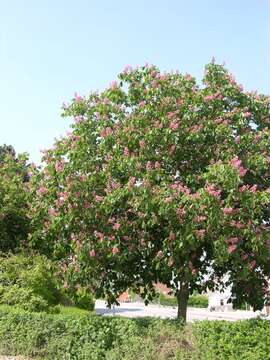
(14, 223)
(161, 180)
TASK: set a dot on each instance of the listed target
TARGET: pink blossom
(113, 84)
(200, 218)
(115, 250)
(235, 162)
(188, 77)
(200, 233)
(240, 87)
(79, 244)
(209, 97)
(247, 114)
(92, 253)
(127, 69)
(141, 103)
(59, 166)
(170, 262)
(77, 97)
(181, 213)
(237, 139)
(126, 151)
(142, 143)
(157, 165)
(98, 198)
(168, 200)
(232, 248)
(149, 166)
(52, 212)
(252, 264)
(116, 226)
(111, 237)
(173, 125)
(131, 182)
(257, 137)
(86, 205)
(99, 235)
(179, 101)
(106, 132)
(212, 191)
(243, 188)
(172, 149)
(242, 171)
(237, 224)
(160, 254)
(195, 196)
(171, 236)
(244, 256)
(78, 119)
(170, 114)
(253, 188)
(228, 210)
(42, 190)
(196, 128)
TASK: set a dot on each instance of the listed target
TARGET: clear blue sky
(49, 49)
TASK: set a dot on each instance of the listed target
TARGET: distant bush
(200, 301)
(83, 299)
(197, 300)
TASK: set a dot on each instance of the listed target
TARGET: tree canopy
(160, 179)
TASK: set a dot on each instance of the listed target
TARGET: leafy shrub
(29, 282)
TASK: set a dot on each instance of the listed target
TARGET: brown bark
(182, 300)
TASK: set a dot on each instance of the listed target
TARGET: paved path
(137, 309)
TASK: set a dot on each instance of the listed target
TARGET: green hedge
(80, 336)
(63, 336)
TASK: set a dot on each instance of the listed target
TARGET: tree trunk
(182, 300)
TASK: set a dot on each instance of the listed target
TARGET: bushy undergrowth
(31, 283)
(79, 335)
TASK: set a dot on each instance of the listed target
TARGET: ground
(137, 309)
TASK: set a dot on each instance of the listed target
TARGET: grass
(73, 311)
(64, 310)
